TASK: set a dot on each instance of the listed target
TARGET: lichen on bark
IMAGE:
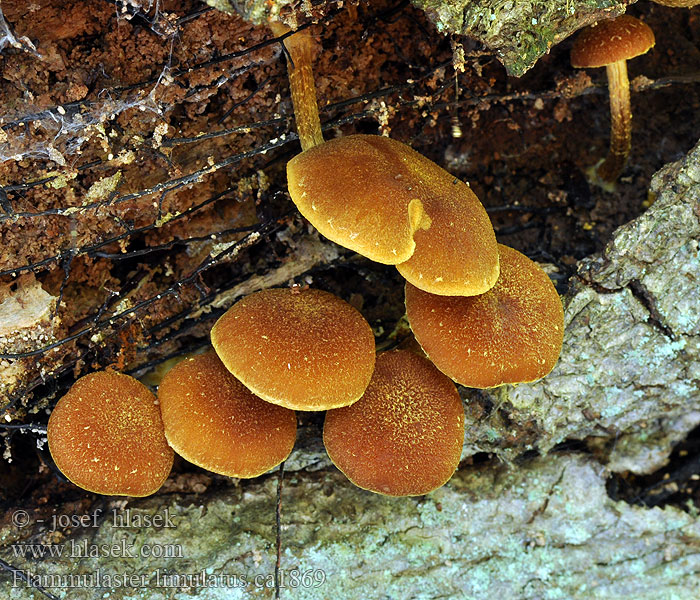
(544, 530)
(518, 32)
(536, 528)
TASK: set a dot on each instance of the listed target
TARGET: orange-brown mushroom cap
(404, 436)
(610, 41)
(511, 334)
(106, 436)
(215, 422)
(458, 254)
(383, 199)
(359, 191)
(302, 349)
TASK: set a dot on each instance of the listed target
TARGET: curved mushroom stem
(620, 122)
(301, 84)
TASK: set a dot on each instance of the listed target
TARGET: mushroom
(301, 349)
(382, 199)
(106, 436)
(404, 436)
(386, 201)
(610, 44)
(511, 334)
(214, 421)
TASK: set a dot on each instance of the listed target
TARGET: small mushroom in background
(610, 44)
(106, 436)
(301, 349)
(404, 436)
(384, 200)
(212, 420)
(511, 334)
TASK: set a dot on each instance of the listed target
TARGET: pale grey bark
(630, 367)
(518, 32)
(546, 529)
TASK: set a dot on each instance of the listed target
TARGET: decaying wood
(531, 528)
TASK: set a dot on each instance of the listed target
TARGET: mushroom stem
(620, 122)
(301, 84)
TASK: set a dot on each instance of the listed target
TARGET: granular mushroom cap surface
(356, 191)
(106, 436)
(511, 334)
(386, 201)
(404, 436)
(302, 349)
(610, 41)
(457, 255)
(214, 421)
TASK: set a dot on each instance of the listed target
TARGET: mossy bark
(546, 529)
(517, 32)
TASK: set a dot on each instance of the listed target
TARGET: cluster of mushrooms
(484, 315)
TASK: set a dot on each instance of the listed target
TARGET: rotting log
(543, 527)
(531, 528)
